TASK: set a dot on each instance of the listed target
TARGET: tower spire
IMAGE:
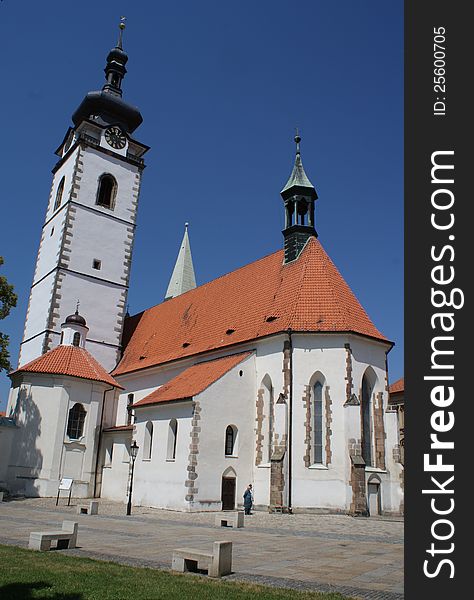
(183, 278)
(121, 28)
(299, 196)
(115, 68)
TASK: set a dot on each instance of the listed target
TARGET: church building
(272, 374)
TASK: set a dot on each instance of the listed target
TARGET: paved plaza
(359, 557)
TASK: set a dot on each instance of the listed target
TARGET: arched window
(75, 422)
(318, 423)
(59, 194)
(267, 418)
(130, 398)
(366, 419)
(76, 340)
(172, 437)
(230, 439)
(148, 442)
(106, 191)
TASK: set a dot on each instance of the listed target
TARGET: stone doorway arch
(228, 489)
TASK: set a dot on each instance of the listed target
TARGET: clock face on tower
(115, 137)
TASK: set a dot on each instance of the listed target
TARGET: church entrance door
(228, 493)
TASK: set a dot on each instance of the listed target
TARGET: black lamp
(133, 456)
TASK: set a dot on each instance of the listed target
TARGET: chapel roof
(193, 380)
(260, 299)
(398, 386)
(69, 360)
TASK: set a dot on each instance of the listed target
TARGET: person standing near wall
(248, 499)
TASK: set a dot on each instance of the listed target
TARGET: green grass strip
(26, 574)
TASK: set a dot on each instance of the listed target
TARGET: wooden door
(228, 493)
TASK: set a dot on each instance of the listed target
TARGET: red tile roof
(398, 386)
(2, 413)
(194, 380)
(118, 428)
(259, 299)
(69, 360)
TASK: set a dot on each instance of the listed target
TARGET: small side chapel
(272, 374)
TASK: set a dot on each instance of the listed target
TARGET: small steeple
(298, 176)
(115, 68)
(74, 330)
(299, 196)
(183, 278)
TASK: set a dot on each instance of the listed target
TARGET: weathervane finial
(77, 307)
(297, 140)
(121, 27)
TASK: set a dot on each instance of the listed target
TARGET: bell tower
(87, 238)
(299, 197)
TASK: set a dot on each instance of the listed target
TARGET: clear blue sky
(221, 86)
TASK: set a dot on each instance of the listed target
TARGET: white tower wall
(75, 236)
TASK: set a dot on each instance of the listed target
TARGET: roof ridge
(207, 283)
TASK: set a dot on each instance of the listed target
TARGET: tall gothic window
(106, 191)
(230, 435)
(148, 444)
(75, 422)
(59, 194)
(318, 423)
(130, 399)
(172, 437)
(366, 421)
(267, 420)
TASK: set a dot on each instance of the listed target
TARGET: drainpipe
(99, 445)
(290, 424)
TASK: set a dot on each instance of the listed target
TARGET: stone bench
(65, 537)
(1, 496)
(231, 519)
(91, 509)
(217, 564)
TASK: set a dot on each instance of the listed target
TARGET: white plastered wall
(43, 452)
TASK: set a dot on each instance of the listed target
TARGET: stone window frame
(370, 377)
(317, 377)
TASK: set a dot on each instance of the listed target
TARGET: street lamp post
(133, 456)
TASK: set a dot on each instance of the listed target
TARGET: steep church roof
(183, 278)
(194, 380)
(257, 300)
(69, 360)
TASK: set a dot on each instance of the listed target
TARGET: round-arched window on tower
(106, 191)
(76, 340)
(59, 194)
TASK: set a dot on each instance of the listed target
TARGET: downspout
(99, 445)
(290, 424)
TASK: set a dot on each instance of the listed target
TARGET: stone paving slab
(362, 558)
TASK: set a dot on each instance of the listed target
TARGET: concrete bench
(65, 537)
(231, 519)
(1, 496)
(217, 564)
(91, 509)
